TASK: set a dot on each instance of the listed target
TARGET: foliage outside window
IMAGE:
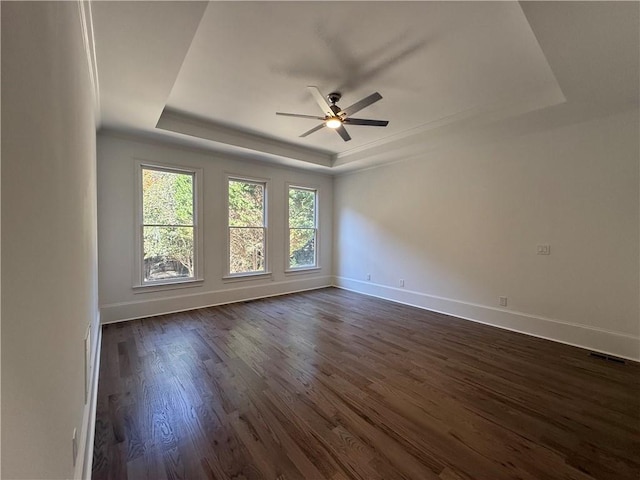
(247, 227)
(303, 231)
(168, 226)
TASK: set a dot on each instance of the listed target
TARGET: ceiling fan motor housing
(334, 97)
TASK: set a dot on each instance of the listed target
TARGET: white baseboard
(84, 461)
(118, 312)
(592, 338)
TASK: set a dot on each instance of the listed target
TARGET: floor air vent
(604, 356)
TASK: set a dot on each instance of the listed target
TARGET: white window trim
(139, 283)
(306, 268)
(228, 276)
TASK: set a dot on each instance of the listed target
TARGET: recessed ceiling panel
(432, 62)
(139, 49)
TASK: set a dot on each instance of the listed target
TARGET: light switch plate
(544, 249)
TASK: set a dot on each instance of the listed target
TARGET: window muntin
(303, 228)
(247, 227)
(168, 226)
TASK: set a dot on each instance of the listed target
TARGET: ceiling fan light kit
(333, 122)
(335, 117)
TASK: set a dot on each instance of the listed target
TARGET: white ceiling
(213, 75)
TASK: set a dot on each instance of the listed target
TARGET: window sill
(240, 277)
(293, 271)
(161, 286)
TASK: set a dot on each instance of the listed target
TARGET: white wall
(49, 246)
(116, 230)
(461, 226)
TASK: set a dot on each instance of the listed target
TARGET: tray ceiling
(214, 74)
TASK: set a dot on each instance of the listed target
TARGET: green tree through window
(247, 227)
(303, 230)
(168, 224)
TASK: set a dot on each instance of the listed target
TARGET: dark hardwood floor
(334, 385)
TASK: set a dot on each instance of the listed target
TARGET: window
(303, 228)
(168, 237)
(247, 227)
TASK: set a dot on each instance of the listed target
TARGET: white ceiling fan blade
(298, 115)
(314, 129)
(365, 102)
(319, 98)
(364, 121)
(343, 133)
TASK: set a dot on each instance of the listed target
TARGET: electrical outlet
(543, 250)
(368, 276)
(74, 446)
(503, 301)
(401, 282)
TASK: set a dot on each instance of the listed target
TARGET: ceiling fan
(336, 117)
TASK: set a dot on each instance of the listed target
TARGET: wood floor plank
(334, 385)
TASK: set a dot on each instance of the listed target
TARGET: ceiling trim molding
(88, 38)
(239, 140)
(432, 135)
(172, 140)
(482, 114)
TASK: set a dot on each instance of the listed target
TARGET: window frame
(227, 275)
(139, 282)
(316, 265)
